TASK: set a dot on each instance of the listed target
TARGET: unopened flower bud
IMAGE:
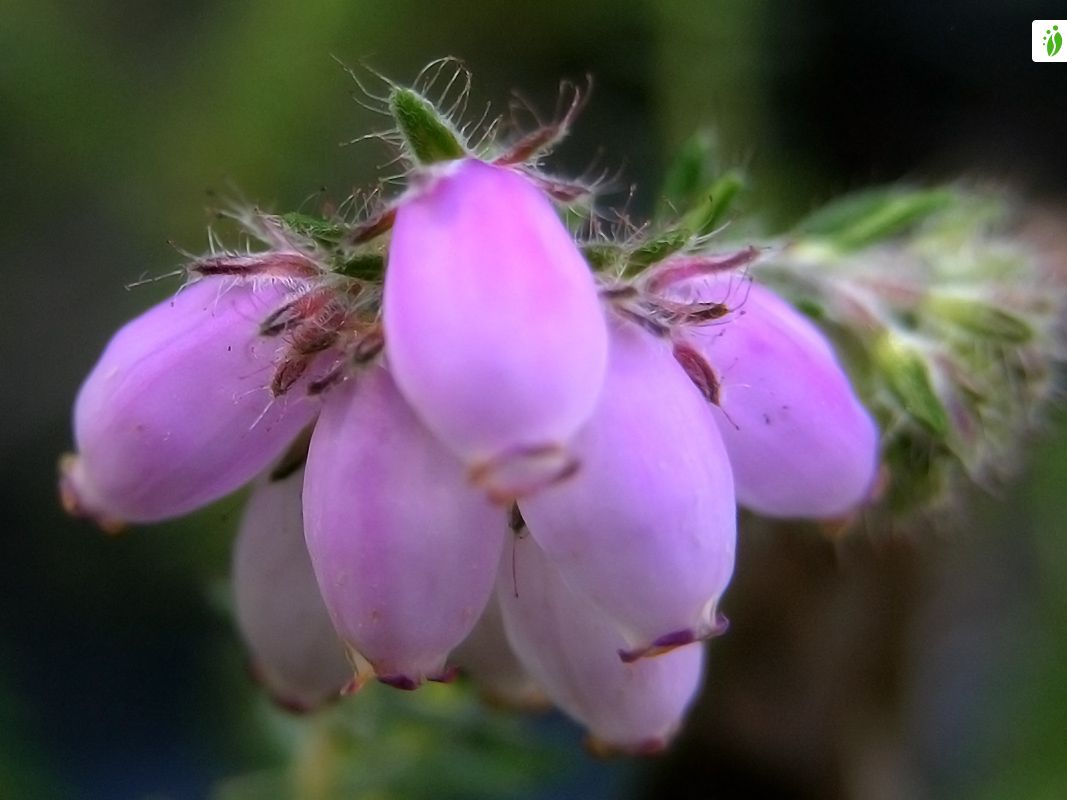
(178, 411)
(570, 648)
(800, 442)
(493, 327)
(646, 527)
(907, 374)
(404, 548)
(295, 651)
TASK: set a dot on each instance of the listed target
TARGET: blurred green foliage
(441, 742)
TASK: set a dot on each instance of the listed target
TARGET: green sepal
(602, 256)
(322, 231)
(980, 318)
(657, 248)
(865, 218)
(918, 471)
(429, 136)
(364, 266)
(908, 378)
(691, 171)
(715, 203)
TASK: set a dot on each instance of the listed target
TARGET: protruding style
(570, 648)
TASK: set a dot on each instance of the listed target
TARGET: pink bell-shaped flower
(178, 411)
(494, 329)
(295, 651)
(800, 442)
(404, 548)
(570, 648)
(646, 528)
(486, 657)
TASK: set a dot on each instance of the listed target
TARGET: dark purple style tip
(399, 682)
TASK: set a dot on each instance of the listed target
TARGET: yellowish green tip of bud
(979, 318)
(908, 378)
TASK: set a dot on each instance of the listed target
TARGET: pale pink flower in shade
(646, 528)
(801, 443)
(570, 648)
(295, 652)
(178, 411)
(494, 329)
(404, 548)
(488, 660)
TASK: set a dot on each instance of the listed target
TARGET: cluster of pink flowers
(517, 466)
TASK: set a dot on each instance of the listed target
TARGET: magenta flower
(495, 332)
(646, 528)
(178, 411)
(800, 442)
(404, 547)
(569, 647)
(295, 651)
(487, 658)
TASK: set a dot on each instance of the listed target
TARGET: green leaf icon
(1054, 44)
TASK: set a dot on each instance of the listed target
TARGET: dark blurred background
(927, 664)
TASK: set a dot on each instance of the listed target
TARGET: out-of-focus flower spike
(295, 651)
(490, 662)
(404, 548)
(570, 648)
(178, 411)
(646, 528)
(494, 330)
(952, 318)
(800, 442)
(865, 218)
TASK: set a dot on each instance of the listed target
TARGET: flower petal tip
(74, 496)
(522, 472)
(286, 702)
(403, 682)
(447, 675)
(718, 625)
(354, 685)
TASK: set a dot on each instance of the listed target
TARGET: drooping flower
(569, 647)
(486, 657)
(295, 651)
(494, 330)
(404, 548)
(800, 442)
(178, 411)
(646, 528)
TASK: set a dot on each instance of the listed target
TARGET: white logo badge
(1046, 40)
